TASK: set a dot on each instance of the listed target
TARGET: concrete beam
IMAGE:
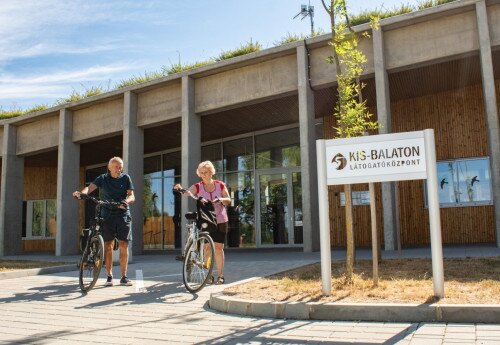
(191, 146)
(133, 160)
(310, 220)
(11, 195)
(68, 180)
(384, 118)
(490, 107)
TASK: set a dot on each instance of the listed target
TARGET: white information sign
(378, 158)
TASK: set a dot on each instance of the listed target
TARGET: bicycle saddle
(191, 215)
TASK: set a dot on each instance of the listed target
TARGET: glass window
(241, 210)
(152, 208)
(172, 164)
(463, 182)
(297, 208)
(171, 214)
(37, 220)
(91, 174)
(51, 225)
(319, 130)
(358, 198)
(152, 167)
(41, 218)
(278, 149)
(238, 154)
(212, 153)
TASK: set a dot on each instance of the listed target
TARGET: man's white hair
(116, 159)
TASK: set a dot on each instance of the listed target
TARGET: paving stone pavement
(50, 309)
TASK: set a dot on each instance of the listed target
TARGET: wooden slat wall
(39, 245)
(39, 183)
(459, 123)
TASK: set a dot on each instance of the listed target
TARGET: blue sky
(48, 48)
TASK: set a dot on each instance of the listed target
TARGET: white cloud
(88, 74)
(31, 28)
(58, 84)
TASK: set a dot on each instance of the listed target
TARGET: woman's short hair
(208, 165)
(116, 159)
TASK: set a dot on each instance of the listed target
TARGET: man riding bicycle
(115, 186)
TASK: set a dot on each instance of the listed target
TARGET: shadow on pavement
(162, 292)
(47, 293)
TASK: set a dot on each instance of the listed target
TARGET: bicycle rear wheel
(198, 263)
(91, 263)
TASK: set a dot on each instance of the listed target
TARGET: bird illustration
(443, 182)
(474, 179)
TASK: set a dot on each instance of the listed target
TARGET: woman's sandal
(210, 280)
(220, 280)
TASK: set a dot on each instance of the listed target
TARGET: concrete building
(257, 118)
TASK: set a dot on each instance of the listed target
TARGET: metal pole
(434, 216)
(375, 246)
(324, 221)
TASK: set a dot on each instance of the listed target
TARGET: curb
(381, 312)
(37, 271)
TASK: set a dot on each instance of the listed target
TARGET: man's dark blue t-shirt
(114, 189)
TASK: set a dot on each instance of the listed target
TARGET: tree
(351, 112)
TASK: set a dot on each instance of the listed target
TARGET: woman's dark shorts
(219, 235)
(119, 226)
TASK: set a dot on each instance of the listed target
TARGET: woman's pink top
(220, 210)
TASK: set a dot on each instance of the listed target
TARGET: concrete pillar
(490, 107)
(384, 118)
(310, 220)
(11, 194)
(191, 146)
(68, 180)
(133, 161)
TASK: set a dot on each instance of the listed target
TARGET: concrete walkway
(49, 309)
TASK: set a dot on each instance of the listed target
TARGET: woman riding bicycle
(212, 190)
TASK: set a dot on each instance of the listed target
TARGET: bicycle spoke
(91, 263)
(198, 263)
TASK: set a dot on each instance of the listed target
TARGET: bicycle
(199, 250)
(92, 246)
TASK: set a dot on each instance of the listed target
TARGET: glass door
(279, 204)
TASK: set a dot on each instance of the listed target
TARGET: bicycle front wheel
(198, 263)
(91, 263)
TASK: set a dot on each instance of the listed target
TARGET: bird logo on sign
(339, 161)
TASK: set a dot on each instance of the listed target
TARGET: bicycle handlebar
(203, 200)
(99, 202)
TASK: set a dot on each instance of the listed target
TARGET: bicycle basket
(206, 214)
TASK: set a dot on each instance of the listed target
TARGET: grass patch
(249, 47)
(12, 265)
(467, 281)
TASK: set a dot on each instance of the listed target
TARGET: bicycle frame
(198, 251)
